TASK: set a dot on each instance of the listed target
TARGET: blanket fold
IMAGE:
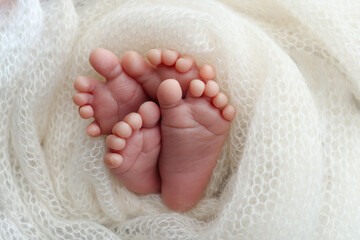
(290, 166)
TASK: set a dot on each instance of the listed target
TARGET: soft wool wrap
(290, 168)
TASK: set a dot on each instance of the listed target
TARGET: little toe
(106, 63)
(85, 84)
(115, 143)
(86, 112)
(211, 88)
(207, 72)
(169, 57)
(184, 64)
(154, 56)
(113, 160)
(134, 120)
(82, 99)
(228, 112)
(134, 65)
(122, 129)
(220, 100)
(93, 130)
(169, 93)
(150, 114)
(196, 88)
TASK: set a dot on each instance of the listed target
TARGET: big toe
(169, 93)
(105, 62)
(150, 114)
(134, 65)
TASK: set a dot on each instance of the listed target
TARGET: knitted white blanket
(290, 168)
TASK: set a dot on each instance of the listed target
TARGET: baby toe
(220, 100)
(85, 84)
(228, 112)
(134, 120)
(169, 93)
(115, 143)
(105, 63)
(86, 111)
(184, 64)
(93, 130)
(150, 114)
(207, 72)
(169, 57)
(211, 88)
(154, 56)
(134, 64)
(82, 99)
(196, 88)
(113, 160)
(122, 129)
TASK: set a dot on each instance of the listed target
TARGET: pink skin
(134, 149)
(129, 83)
(193, 131)
(194, 116)
(189, 126)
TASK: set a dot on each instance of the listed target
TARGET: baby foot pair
(193, 130)
(129, 83)
(191, 121)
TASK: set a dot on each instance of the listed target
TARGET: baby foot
(134, 149)
(130, 82)
(108, 102)
(193, 131)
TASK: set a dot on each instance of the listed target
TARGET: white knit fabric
(290, 168)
